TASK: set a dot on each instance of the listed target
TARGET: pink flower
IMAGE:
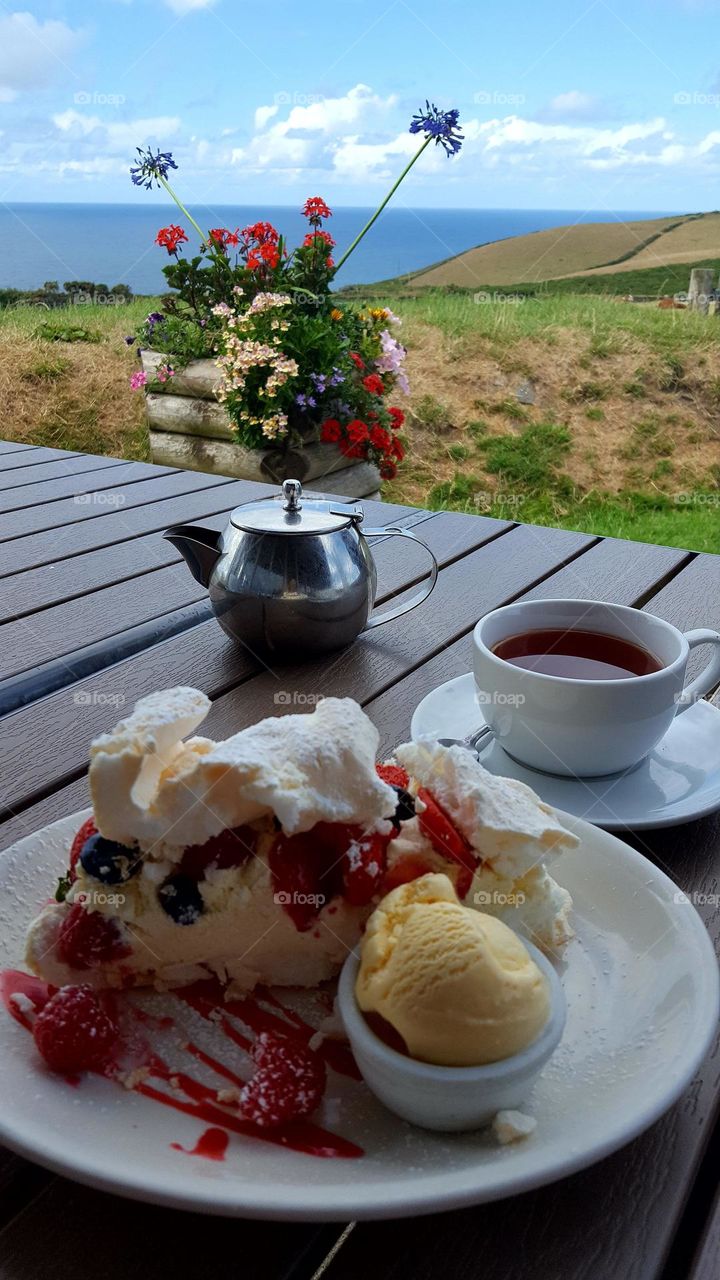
(138, 380)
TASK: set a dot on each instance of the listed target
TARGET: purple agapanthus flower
(151, 167)
(441, 125)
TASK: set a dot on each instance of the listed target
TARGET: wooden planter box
(190, 429)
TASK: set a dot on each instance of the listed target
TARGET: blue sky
(565, 105)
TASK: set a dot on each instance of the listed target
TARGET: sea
(114, 243)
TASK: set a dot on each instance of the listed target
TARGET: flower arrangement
(296, 362)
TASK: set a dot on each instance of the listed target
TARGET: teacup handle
(710, 677)
(419, 596)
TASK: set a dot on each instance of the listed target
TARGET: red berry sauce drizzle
(191, 1096)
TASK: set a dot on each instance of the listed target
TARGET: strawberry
(229, 848)
(393, 774)
(288, 1083)
(364, 863)
(87, 829)
(445, 837)
(73, 1032)
(87, 939)
(306, 870)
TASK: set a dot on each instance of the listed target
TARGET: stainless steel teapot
(292, 575)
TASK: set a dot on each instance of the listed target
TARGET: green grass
(693, 521)
(608, 325)
(97, 319)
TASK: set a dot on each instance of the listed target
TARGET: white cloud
(574, 105)
(119, 135)
(313, 131)
(262, 116)
(33, 52)
(181, 7)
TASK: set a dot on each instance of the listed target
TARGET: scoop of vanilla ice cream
(458, 985)
(150, 787)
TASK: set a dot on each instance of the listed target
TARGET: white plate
(679, 780)
(642, 991)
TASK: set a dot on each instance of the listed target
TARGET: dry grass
(637, 418)
(693, 241)
(557, 252)
(72, 395)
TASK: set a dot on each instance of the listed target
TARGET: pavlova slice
(259, 858)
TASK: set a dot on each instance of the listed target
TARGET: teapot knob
(292, 493)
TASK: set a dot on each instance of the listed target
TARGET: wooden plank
(610, 570)
(68, 627)
(35, 456)
(692, 600)
(465, 590)
(706, 1263)
(61, 726)
(67, 579)
(12, 446)
(208, 495)
(153, 1244)
(82, 489)
(120, 499)
(54, 471)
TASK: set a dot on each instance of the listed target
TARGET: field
(562, 254)
(566, 409)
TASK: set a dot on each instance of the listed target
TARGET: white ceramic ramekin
(448, 1098)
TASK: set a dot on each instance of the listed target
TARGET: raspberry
(445, 837)
(393, 774)
(363, 868)
(87, 829)
(288, 1083)
(73, 1032)
(87, 939)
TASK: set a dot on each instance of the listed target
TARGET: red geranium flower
(350, 450)
(397, 450)
(313, 236)
(170, 237)
(223, 237)
(356, 431)
(374, 384)
(261, 232)
(357, 360)
(315, 208)
(398, 417)
(388, 470)
(264, 255)
(380, 439)
(330, 431)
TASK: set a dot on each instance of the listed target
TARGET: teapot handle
(420, 595)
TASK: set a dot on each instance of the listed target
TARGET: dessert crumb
(512, 1126)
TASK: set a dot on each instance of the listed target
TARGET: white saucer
(679, 780)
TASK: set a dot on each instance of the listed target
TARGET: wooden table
(97, 610)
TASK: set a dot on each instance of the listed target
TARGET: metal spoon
(472, 742)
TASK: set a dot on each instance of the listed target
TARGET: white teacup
(586, 727)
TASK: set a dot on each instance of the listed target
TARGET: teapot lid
(286, 513)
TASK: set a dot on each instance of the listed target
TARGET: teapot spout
(200, 547)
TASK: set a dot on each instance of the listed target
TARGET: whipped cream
(507, 825)
(151, 787)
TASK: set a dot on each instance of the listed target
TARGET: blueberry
(405, 806)
(108, 861)
(181, 899)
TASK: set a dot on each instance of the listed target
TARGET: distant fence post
(700, 289)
